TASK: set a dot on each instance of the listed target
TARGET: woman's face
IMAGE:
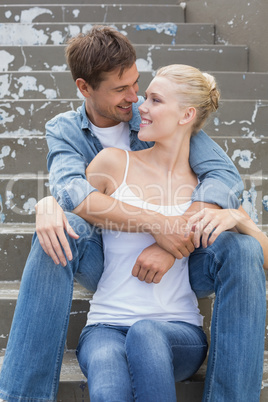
(161, 111)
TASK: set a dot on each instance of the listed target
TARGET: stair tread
(71, 373)
(92, 12)
(10, 290)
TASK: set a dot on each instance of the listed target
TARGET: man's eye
(156, 100)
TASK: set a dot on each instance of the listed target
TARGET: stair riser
(59, 85)
(149, 58)
(78, 319)
(242, 119)
(153, 33)
(72, 2)
(28, 155)
(93, 13)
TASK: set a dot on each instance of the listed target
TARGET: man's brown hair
(101, 50)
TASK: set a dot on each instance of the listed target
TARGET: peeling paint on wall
(167, 28)
(29, 205)
(265, 202)
(249, 203)
(27, 16)
(2, 215)
(5, 59)
(4, 153)
(146, 64)
(245, 157)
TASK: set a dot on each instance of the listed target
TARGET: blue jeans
(141, 362)
(232, 267)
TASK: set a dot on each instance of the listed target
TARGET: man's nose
(131, 95)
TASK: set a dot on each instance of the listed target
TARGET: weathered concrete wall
(238, 22)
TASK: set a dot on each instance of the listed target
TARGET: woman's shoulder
(110, 157)
(107, 168)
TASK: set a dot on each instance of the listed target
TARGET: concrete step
(78, 316)
(19, 194)
(149, 57)
(57, 34)
(49, 2)
(59, 85)
(234, 118)
(73, 384)
(27, 155)
(72, 2)
(101, 13)
(80, 306)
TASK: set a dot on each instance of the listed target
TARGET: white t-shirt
(116, 136)
(121, 298)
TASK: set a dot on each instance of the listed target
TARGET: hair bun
(213, 91)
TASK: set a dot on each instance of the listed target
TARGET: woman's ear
(83, 87)
(189, 115)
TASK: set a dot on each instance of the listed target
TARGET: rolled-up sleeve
(219, 180)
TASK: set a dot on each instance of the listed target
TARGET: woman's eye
(156, 100)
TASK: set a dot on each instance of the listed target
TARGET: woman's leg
(102, 358)
(160, 353)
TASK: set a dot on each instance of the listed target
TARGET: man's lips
(126, 108)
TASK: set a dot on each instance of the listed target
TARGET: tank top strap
(127, 165)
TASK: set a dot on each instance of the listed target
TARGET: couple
(231, 266)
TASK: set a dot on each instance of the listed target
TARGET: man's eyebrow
(125, 86)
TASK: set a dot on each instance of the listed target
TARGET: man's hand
(152, 264)
(50, 224)
(175, 237)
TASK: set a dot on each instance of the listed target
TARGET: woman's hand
(50, 224)
(212, 222)
(152, 264)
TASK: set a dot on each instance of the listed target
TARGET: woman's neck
(172, 155)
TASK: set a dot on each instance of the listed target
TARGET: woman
(142, 336)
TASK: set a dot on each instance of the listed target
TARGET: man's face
(111, 103)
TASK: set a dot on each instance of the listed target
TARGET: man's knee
(83, 228)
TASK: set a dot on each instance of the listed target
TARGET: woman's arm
(209, 223)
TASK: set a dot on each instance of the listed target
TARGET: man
(103, 65)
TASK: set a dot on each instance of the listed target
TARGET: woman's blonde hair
(197, 89)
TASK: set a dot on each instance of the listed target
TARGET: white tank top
(122, 299)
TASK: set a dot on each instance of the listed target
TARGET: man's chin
(126, 116)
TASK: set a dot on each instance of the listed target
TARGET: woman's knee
(144, 337)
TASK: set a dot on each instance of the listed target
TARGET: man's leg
(35, 348)
(232, 267)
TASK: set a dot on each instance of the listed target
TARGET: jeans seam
(214, 358)
(61, 347)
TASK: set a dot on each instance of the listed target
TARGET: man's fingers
(49, 249)
(54, 248)
(65, 244)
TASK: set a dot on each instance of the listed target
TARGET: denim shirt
(72, 146)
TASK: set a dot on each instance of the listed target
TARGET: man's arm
(70, 151)
(220, 182)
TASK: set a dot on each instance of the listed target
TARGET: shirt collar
(85, 121)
